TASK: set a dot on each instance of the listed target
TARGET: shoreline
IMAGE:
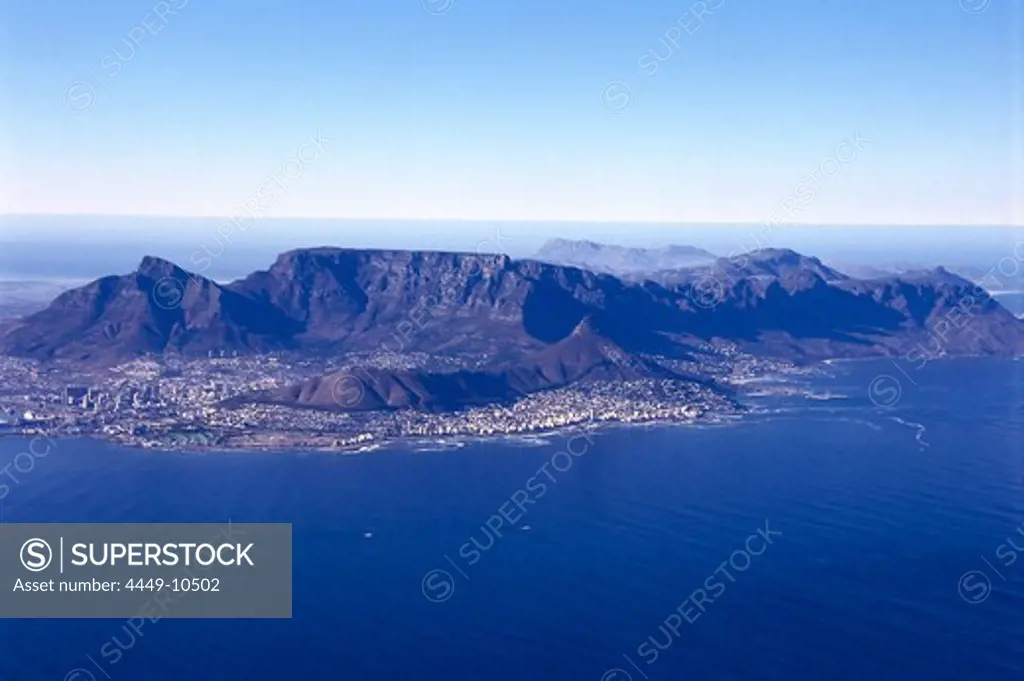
(746, 401)
(415, 443)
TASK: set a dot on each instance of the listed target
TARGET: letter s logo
(36, 555)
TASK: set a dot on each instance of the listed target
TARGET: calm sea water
(84, 246)
(881, 510)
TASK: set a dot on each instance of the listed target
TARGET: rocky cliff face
(159, 308)
(583, 356)
(343, 300)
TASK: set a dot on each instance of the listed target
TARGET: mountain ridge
(337, 300)
(581, 357)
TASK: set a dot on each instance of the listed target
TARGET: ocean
(66, 247)
(862, 535)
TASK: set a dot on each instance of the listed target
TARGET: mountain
(583, 356)
(765, 264)
(620, 260)
(779, 263)
(995, 278)
(958, 316)
(159, 308)
(333, 300)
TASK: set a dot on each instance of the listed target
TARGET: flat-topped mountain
(334, 300)
(621, 260)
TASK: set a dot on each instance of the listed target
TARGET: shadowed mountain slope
(331, 300)
(582, 356)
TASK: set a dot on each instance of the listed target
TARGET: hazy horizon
(95, 245)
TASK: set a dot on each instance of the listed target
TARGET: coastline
(749, 392)
(416, 443)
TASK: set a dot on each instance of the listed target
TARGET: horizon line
(515, 221)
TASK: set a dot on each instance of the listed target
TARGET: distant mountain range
(543, 325)
(764, 265)
(620, 260)
(1004, 276)
(675, 265)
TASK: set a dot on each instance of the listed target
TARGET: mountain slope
(584, 355)
(334, 300)
(768, 263)
(157, 309)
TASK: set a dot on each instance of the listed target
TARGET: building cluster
(179, 403)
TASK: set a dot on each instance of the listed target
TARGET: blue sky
(610, 110)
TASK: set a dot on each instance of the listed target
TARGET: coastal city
(178, 403)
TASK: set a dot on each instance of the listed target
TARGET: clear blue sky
(502, 109)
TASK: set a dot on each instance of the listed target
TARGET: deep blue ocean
(876, 506)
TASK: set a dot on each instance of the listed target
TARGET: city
(178, 403)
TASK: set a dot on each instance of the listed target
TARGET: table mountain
(335, 300)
